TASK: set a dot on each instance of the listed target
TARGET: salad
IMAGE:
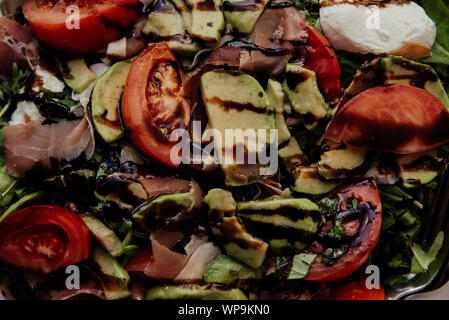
(209, 149)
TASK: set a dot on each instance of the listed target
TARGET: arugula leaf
(439, 12)
(310, 8)
(421, 260)
(348, 69)
(301, 265)
(12, 86)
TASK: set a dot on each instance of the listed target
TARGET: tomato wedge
(42, 239)
(154, 105)
(368, 226)
(100, 22)
(324, 62)
(398, 119)
(357, 290)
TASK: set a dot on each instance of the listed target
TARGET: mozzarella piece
(391, 28)
(48, 81)
(26, 111)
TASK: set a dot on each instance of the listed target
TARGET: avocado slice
(307, 181)
(196, 292)
(226, 270)
(418, 169)
(104, 236)
(276, 94)
(166, 22)
(292, 155)
(243, 15)
(302, 90)
(281, 247)
(339, 163)
(239, 243)
(106, 98)
(184, 45)
(220, 203)
(165, 209)
(277, 218)
(398, 70)
(76, 74)
(207, 20)
(7, 187)
(114, 279)
(237, 102)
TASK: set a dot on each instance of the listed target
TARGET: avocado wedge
(196, 292)
(106, 100)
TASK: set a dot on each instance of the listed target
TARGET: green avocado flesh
(276, 95)
(208, 21)
(239, 243)
(162, 210)
(194, 292)
(302, 90)
(172, 24)
(308, 181)
(221, 203)
(105, 236)
(106, 100)
(243, 20)
(273, 216)
(113, 277)
(339, 163)
(226, 270)
(398, 70)
(76, 74)
(418, 169)
(237, 105)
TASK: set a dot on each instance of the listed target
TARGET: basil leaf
(439, 12)
(421, 259)
(301, 265)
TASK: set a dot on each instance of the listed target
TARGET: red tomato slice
(153, 103)
(100, 22)
(357, 290)
(42, 239)
(324, 62)
(398, 119)
(365, 191)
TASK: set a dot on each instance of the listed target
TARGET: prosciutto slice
(166, 263)
(32, 145)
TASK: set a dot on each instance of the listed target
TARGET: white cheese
(48, 81)
(388, 29)
(26, 111)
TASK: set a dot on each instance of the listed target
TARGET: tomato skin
(324, 62)
(136, 110)
(365, 191)
(42, 239)
(99, 24)
(357, 290)
(398, 119)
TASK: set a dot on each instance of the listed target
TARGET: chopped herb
(332, 255)
(337, 232)
(328, 206)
